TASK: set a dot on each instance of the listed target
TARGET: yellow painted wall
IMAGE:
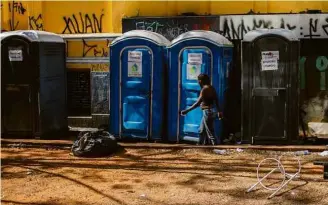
(14, 15)
(90, 48)
(52, 14)
(83, 17)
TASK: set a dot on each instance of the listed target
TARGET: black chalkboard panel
(171, 27)
(78, 93)
(100, 92)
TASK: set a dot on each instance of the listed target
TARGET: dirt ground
(151, 176)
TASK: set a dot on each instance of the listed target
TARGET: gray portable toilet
(33, 82)
(270, 89)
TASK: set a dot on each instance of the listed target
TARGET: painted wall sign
(195, 58)
(135, 56)
(270, 60)
(193, 71)
(15, 54)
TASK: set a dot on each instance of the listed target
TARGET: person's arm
(196, 104)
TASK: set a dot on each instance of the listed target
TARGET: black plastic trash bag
(94, 144)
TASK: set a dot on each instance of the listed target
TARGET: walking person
(209, 103)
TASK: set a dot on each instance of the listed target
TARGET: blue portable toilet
(137, 76)
(190, 54)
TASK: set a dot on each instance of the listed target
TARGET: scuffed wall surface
(316, 108)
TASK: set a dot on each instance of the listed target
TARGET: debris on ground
(239, 150)
(324, 153)
(220, 151)
(20, 145)
(94, 144)
(303, 152)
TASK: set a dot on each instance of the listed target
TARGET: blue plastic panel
(191, 67)
(217, 65)
(139, 90)
(135, 92)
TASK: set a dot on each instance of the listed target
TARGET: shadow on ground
(202, 168)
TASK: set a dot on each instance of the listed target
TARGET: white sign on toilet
(135, 69)
(195, 58)
(270, 60)
(193, 70)
(15, 54)
(135, 64)
(135, 56)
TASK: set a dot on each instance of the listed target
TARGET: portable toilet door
(137, 63)
(191, 54)
(33, 81)
(17, 80)
(270, 90)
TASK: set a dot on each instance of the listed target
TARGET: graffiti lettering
(231, 32)
(303, 26)
(313, 28)
(302, 72)
(175, 31)
(235, 27)
(149, 26)
(103, 67)
(95, 49)
(321, 64)
(83, 23)
(289, 27)
(17, 7)
(170, 29)
(325, 27)
(13, 24)
(316, 27)
(36, 23)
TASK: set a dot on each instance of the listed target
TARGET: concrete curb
(66, 144)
